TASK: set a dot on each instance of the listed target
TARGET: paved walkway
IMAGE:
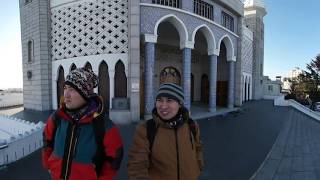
(201, 111)
(296, 152)
(235, 144)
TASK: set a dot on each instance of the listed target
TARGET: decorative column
(187, 77)
(111, 81)
(148, 78)
(231, 84)
(213, 83)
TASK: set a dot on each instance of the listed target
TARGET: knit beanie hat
(83, 80)
(172, 91)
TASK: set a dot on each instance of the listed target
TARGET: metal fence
(171, 3)
(203, 9)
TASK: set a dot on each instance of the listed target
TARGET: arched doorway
(168, 55)
(167, 52)
(170, 75)
(88, 66)
(73, 67)
(104, 86)
(205, 88)
(141, 94)
(192, 87)
(222, 77)
(60, 84)
(249, 90)
(120, 81)
(245, 89)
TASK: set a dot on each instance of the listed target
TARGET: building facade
(271, 88)
(291, 75)
(212, 48)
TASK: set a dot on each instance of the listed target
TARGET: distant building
(214, 49)
(271, 88)
(14, 90)
(290, 76)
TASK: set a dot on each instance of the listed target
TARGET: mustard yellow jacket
(173, 153)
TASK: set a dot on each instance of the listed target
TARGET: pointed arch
(72, 67)
(120, 80)
(60, 83)
(104, 85)
(208, 34)
(230, 48)
(178, 24)
(88, 66)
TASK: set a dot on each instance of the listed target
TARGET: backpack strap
(152, 129)
(56, 121)
(193, 130)
(192, 125)
(99, 126)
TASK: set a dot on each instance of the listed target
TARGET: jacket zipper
(177, 149)
(71, 150)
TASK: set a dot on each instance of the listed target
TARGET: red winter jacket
(69, 149)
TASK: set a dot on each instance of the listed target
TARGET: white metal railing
(306, 110)
(171, 3)
(203, 9)
(18, 138)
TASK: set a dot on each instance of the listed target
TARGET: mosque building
(214, 49)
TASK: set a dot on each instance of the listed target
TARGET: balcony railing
(171, 3)
(203, 9)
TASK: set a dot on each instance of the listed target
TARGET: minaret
(254, 11)
(36, 56)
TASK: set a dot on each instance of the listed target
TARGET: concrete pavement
(296, 152)
(236, 145)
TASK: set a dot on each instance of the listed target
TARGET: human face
(72, 98)
(167, 108)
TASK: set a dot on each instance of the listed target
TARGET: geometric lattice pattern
(89, 28)
(246, 55)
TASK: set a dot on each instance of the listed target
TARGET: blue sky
(10, 45)
(292, 38)
(292, 35)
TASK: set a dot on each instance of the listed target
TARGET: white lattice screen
(89, 28)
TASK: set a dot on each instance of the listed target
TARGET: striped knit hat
(83, 80)
(171, 90)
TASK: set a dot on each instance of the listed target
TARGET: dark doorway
(222, 93)
(104, 86)
(204, 88)
(120, 81)
(60, 84)
(192, 88)
(73, 67)
(88, 66)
